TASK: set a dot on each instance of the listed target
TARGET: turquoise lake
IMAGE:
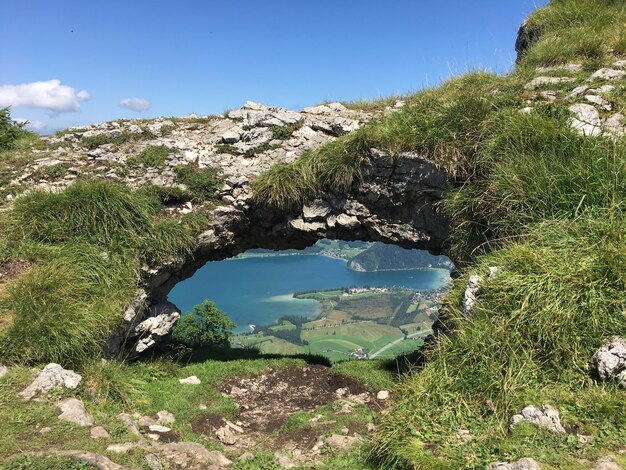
(258, 290)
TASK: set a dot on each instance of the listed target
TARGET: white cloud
(35, 126)
(136, 104)
(50, 95)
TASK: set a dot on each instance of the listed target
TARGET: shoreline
(272, 255)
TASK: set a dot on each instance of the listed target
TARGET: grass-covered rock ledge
(521, 178)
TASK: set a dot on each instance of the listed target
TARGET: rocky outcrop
(73, 411)
(547, 418)
(609, 362)
(51, 377)
(521, 464)
(593, 113)
(526, 37)
(395, 201)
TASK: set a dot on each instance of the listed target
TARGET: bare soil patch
(266, 401)
(13, 268)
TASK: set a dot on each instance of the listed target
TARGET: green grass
(529, 340)
(533, 197)
(153, 156)
(202, 183)
(445, 124)
(87, 244)
(577, 31)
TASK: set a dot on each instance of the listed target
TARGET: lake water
(258, 290)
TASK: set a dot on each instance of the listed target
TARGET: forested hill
(381, 257)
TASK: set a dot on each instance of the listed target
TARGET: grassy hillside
(532, 196)
(535, 198)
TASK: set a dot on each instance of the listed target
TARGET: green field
(367, 320)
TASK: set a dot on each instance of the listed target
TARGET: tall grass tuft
(87, 243)
(529, 339)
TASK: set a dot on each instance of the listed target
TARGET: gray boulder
(159, 324)
(587, 121)
(521, 464)
(547, 418)
(606, 463)
(73, 410)
(471, 292)
(51, 377)
(609, 361)
(607, 74)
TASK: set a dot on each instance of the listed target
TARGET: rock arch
(397, 201)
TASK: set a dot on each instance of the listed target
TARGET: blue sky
(208, 56)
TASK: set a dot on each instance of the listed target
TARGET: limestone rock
(541, 81)
(598, 100)
(609, 361)
(124, 447)
(226, 435)
(231, 137)
(464, 435)
(283, 460)
(130, 424)
(547, 418)
(606, 463)
(348, 221)
(3, 371)
(153, 462)
(471, 292)
(521, 464)
(165, 417)
(191, 380)
(607, 74)
(98, 432)
(576, 92)
(318, 210)
(339, 442)
(587, 121)
(73, 410)
(191, 455)
(613, 125)
(93, 460)
(51, 377)
(566, 67)
(382, 395)
(156, 326)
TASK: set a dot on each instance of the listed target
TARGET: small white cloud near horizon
(135, 104)
(36, 126)
(49, 95)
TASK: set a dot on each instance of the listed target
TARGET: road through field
(393, 343)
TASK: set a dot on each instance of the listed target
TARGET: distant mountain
(381, 257)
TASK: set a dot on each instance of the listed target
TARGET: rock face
(547, 418)
(73, 410)
(51, 377)
(470, 297)
(526, 37)
(609, 361)
(521, 464)
(395, 201)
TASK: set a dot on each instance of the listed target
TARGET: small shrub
(284, 132)
(205, 326)
(52, 172)
(10, 130)
(153, 156)
(201, 182)
(95, 141)
(227, 148)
